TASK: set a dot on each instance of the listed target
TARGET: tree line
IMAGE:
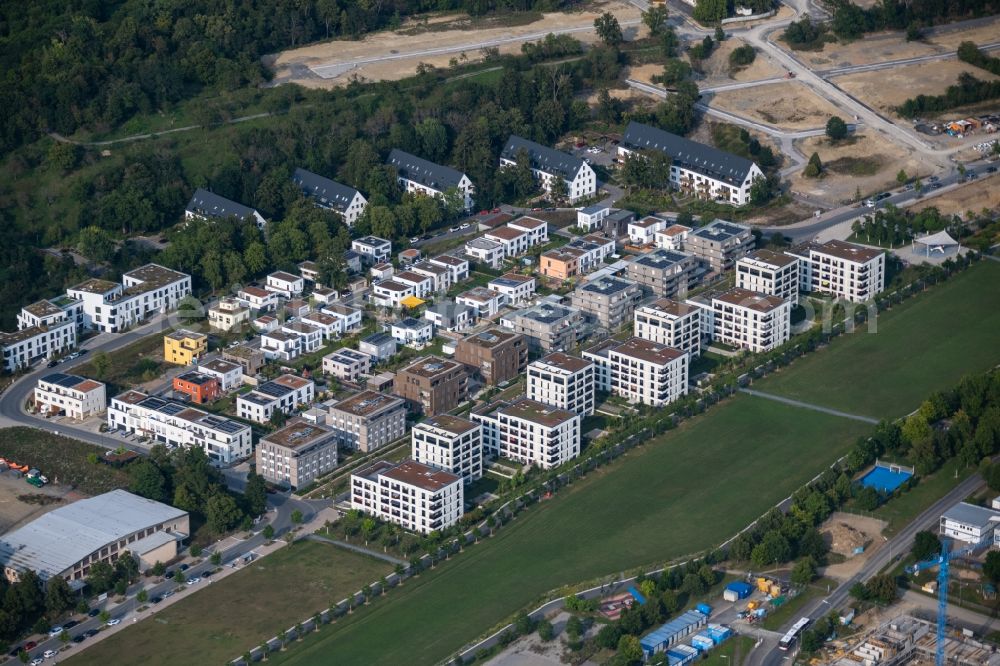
(851, 21)
(970, 53)
(968, 90)
(96, 65)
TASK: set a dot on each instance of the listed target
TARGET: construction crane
(943, 561)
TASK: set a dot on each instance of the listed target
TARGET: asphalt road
(768, 654)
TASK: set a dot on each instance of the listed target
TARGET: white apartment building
(458, 267)
(530, 432)
(331, 195)
(422, 176)
(514, 287)
(284, 393)
(422, 285)
(485, 302)
(771, 273)
(548, 164)
(514, 241)
(486, 251)
(23, 347)
(591, 217)
(327, 325)
(348, 318)
(537, 230)
(672, 237)
(311, 337)
(285, 284)
(280, 345)
(224, 441)
(390, 294)
(228, 314)
(228, 374)
(347, 364)
(257, 299)
(647, 372)
(78, 397)
(845, 270)
(368, 420)
(695, 167)
(450, 443)
(643, 232)
(373, 250)
(752, 321)
(147, 290)
(450, 315)
(440, 275)
(667, 322)
(412, 495)
(50, 313)
(411, 331)
(563, 381)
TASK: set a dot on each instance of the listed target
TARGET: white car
(37, 661)
(192, 581)
(55, 631)
(465, 225)
(114, 622)
(48, 654)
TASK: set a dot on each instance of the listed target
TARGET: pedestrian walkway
(357, 549)
(806, 405)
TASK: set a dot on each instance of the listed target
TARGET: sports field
(218, 622)
(691, 490)
(925, 344)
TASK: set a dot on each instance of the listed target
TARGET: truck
(35, 481)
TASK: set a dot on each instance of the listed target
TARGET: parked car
(93, 612)
(48, 654)
(932, 179)
(185, 567)
(29, 646)
(464, 225)
(991, 169)
(53, 363)
(79, 639)
(155, 600)
(37, 661)
(207, 574)
(452, 230)
(415, 239)
(113, 622)
(81, 352)
(192, 581)
(70, 624)
(90, 633)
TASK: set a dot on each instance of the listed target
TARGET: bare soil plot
(717, 71)
(788, 105)
(869, 163)
(455, 34)
(844, 532)
(974, 196)
(888, 88)
(21, 503)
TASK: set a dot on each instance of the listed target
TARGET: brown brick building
(495, 355)
(432, 385)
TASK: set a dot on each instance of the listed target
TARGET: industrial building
(66, 542)
(672, 633)
(415, 496)
(450, 443)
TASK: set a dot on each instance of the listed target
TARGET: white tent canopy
(936, 242)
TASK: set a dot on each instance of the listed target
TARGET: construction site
(909, 640)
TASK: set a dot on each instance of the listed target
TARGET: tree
(675, 70)
(545, 631)
(558, 189)
(836, 128)
(146, 479)
(195, 550)
(255, 494)
(882, 589)
(64, 637)
(804, 571)
(710, 11)
(901, 177)
(58, 596)
(655, 19)
(925, 545)
(104, 616)
(574, 627)
(523, 625)
(867, 499)
(991, 568)
(297, 517)
(608, 29)
(216, 558)
(629, 649)
(96, 244)
(278, 417)
(814, 168)
(742, 56)
(720, 34)
(268, 531)
(158, 569)
(64, 156)
(222, 513)
(101, 577)
(772, 549)
(142, 596)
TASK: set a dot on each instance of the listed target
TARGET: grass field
(731, 653)
(649, 507)
(788, 610)
(61, 459)
(139, 362)
(925, 344)
(219, 622)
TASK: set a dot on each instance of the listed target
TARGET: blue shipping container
(742, 589)
(704, 608)
(703, 642)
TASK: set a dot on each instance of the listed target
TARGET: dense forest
(82, 63)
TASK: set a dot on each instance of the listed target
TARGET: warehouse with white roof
(67, 541)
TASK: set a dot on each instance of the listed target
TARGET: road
(768, 654)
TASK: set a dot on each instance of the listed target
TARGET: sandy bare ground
(847, 531)
(974, 196)
(788, 105)
(14, 513)
(889, 88)
(841, 181)
(716, 68)
(456, 33)
(893, 46)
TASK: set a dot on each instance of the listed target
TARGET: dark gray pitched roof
(210, 204)
(692, 155)
(543, 158)
(424, 172)
(325, 191)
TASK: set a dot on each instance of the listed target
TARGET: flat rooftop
(720, 230)
(411, 324)
(607, 286)
(661, 259)
(96, 286)
(771, 257)
(849, 251)
(646, 350)
(449, 260)
(536, 412)
(218, 365)
(546, 313)
(184, 334)
(669, 306)
(750, 299)
(370, 241)
(431, 366)
(195, 377)
(564, 361)
(412, 473)
(479, 294)
(43, 308)
(300, 435)
(647, 222)
(453, 424)
(490, 338)
(367, 403)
